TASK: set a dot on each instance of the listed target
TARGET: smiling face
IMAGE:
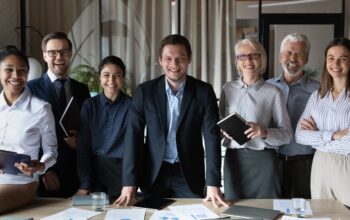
(250, 66)
(174, 60)
(13, 76)
(338, 62)
(59, 63)
(112, 78)
(293, 57)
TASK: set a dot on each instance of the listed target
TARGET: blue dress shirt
(296, 96)
(102, 128)
(173, 110)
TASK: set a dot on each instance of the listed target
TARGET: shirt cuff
(85, 185)
(327, 136)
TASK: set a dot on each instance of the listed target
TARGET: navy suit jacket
(197, 121)
(65, 166)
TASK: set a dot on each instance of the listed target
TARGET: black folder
(70, 118)
(235, 126)
(8, 160)
(154, 203)
(252, 212)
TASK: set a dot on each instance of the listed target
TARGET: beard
(291, 71)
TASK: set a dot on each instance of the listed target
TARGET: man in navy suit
(57, 88)
(178, 112)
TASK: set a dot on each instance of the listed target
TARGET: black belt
(296, 157)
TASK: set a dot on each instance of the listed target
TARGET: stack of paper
(72, 214)
(123, 214)
(192, 212)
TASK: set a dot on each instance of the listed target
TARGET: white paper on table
(193, 212)
(286, 206)
(125, 214)
(72, 214)
(162, 215)
(285, 217)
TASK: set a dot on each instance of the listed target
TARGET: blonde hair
(256, 45)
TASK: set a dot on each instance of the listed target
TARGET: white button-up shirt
(25, 127)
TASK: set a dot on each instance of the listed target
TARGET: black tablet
(154, 203)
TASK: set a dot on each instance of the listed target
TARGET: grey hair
(296, 37)
(256, 45)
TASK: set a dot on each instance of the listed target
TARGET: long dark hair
(326, 79)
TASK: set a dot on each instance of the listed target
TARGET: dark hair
(55, 35)
(111, 60)
(12, 50)
(326, 79)
(175, 39)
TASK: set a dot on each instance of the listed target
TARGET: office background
(133, 29)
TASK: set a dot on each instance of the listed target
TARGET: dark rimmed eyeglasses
(54, 53)
(243, 57)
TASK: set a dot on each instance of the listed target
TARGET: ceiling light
(285, 3)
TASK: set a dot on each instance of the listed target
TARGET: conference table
(42, 207)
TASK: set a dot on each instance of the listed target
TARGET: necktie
(62, 94)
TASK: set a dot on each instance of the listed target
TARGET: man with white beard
(297, 86)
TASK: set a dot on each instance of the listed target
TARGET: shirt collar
(53, 77)
(170, 91)
(256, 86)
(302, 81)
(105, 101)
(21, 103)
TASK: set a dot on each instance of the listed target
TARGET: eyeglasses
(252, 56)
(54, 53)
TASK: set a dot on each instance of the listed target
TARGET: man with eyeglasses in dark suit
(57, 88)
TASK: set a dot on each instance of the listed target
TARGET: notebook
(235, 126)
(70, 117)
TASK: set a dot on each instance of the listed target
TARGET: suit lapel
(161, 100)
(186, 99)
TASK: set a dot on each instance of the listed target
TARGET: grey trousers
(250, 174)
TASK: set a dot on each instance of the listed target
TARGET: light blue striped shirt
(173, 110)
(330, 116)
